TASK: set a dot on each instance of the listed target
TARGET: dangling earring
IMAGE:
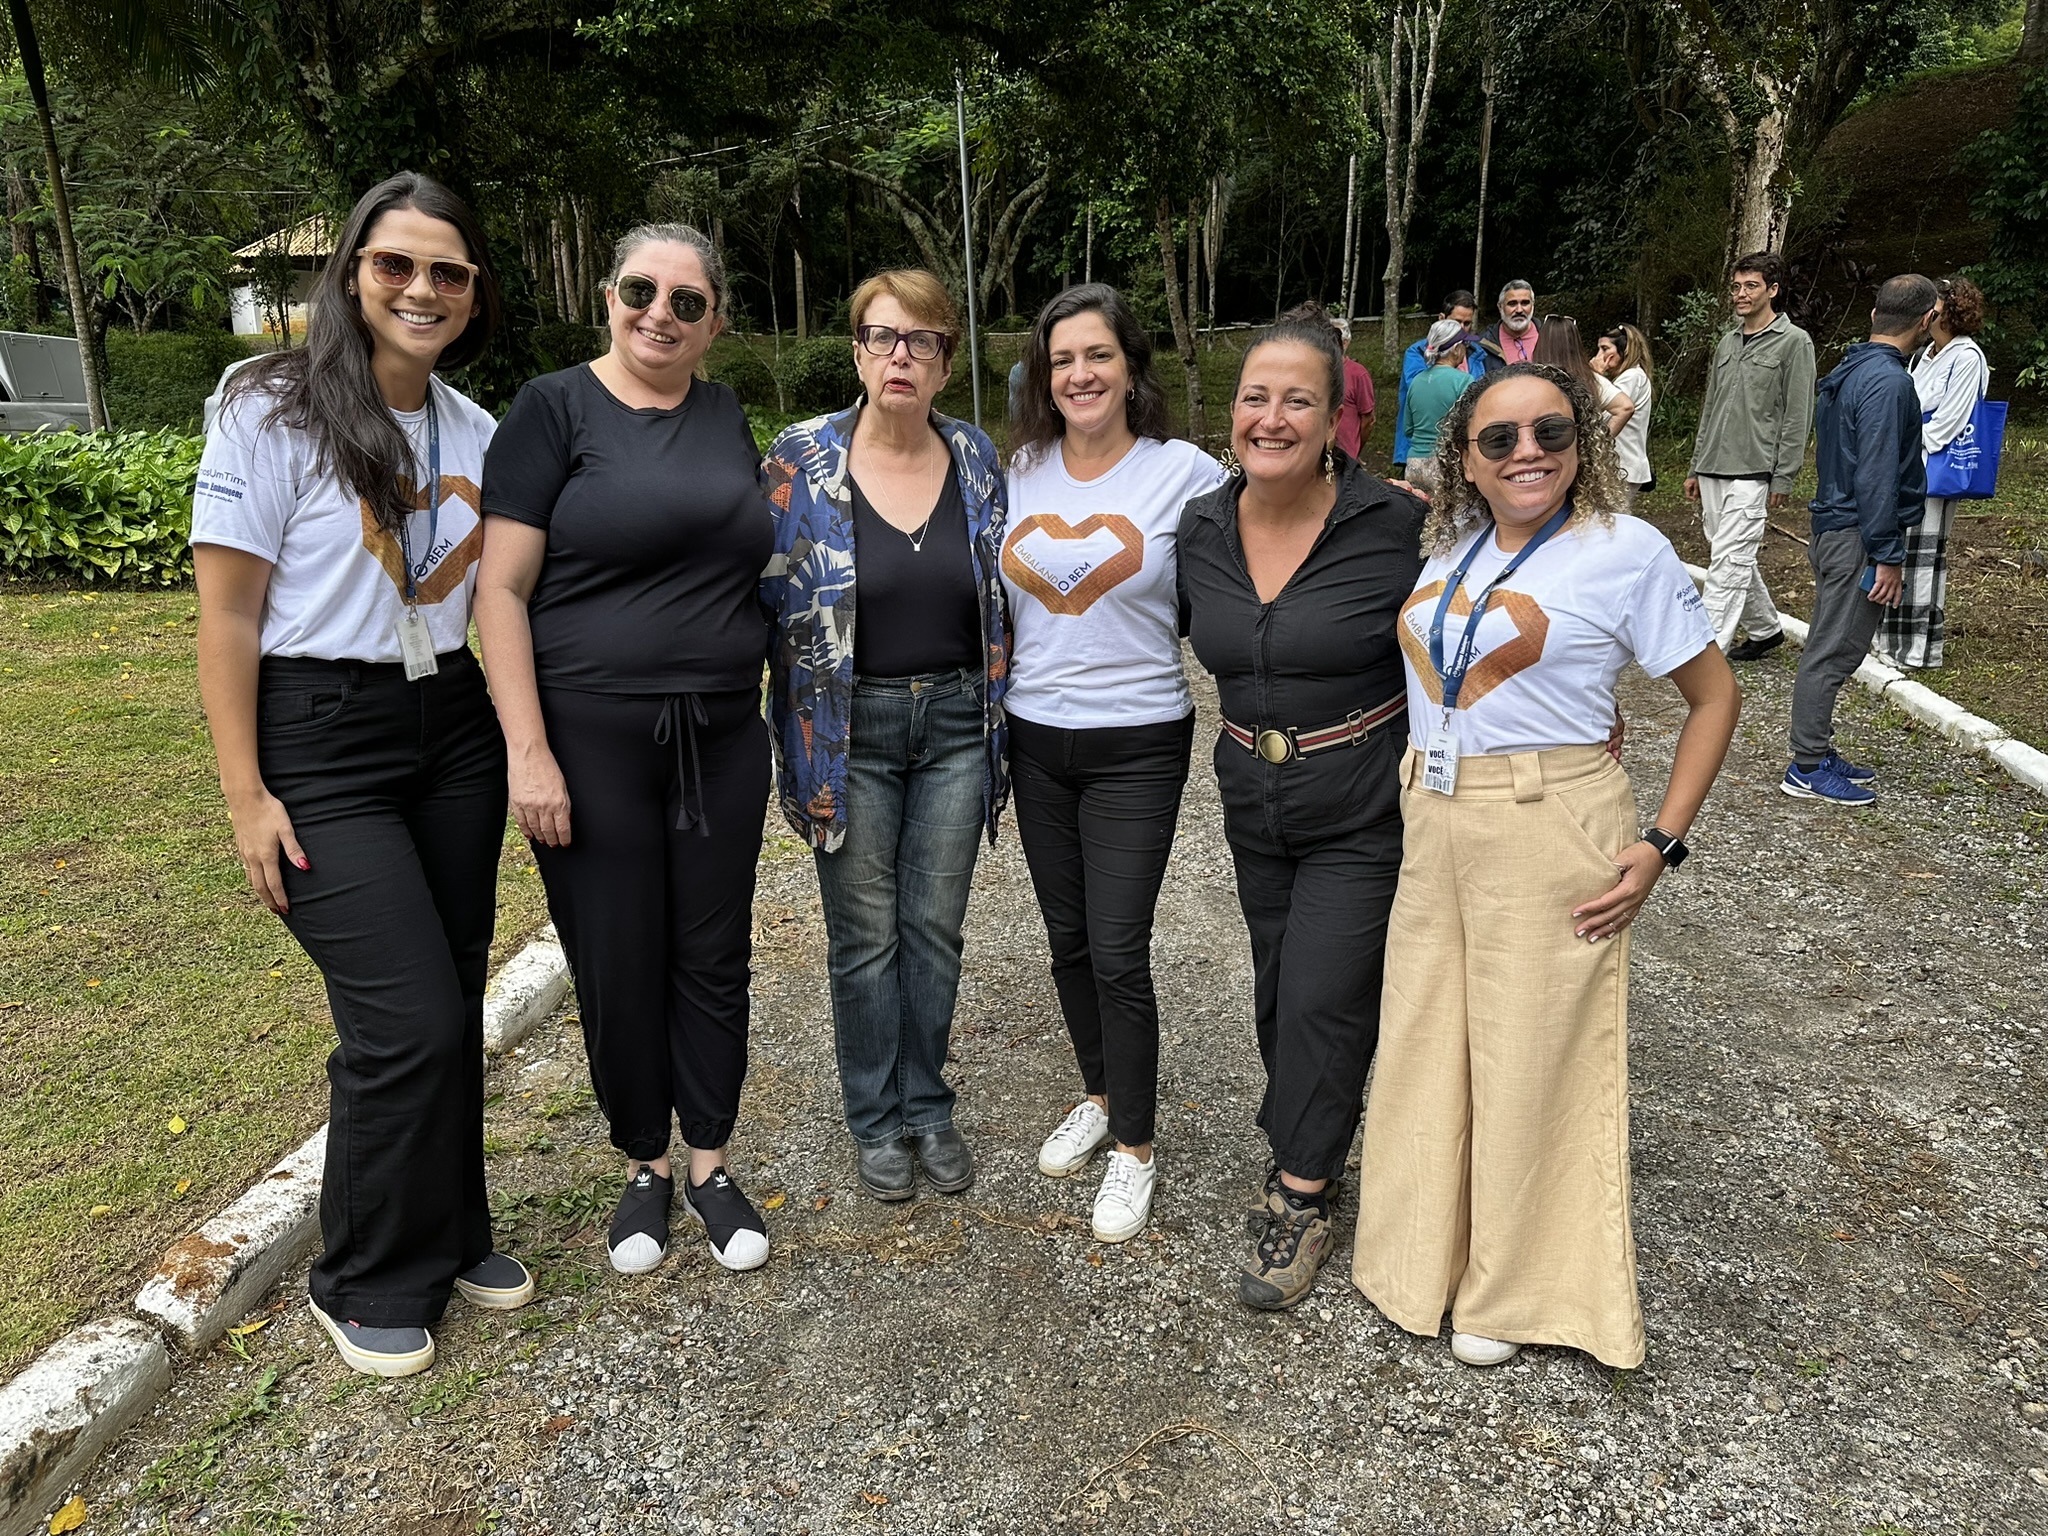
(1231, 468)
(1329, 465)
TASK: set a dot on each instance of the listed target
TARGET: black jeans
(654, 899)
(397, 793)
(1317, 846)
(1096, 811)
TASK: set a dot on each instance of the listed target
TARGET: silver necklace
(917, 538)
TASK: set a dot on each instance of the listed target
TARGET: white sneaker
(1476, 1349)
(1124, 1203)
(1067, 1150)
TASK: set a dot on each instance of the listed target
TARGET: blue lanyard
(1468, 646)
(433, 498)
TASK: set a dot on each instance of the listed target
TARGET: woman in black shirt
(624, 539)
(1292, 576)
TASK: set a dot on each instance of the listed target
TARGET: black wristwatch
(1672, 849)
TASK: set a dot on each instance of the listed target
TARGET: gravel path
(1839, 1144)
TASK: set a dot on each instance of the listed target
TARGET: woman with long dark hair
(1292, 575)
(1559, 346)
(625, 535)
(335, 537)
(1101, 719)
(1622, 357)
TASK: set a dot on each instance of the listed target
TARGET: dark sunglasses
(880, 341)
(1553, 434)
(395, 269)
(686, 304)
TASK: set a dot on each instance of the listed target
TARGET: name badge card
(416, 646)
(1440, 760)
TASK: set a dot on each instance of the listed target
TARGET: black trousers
(397, 793)
(1096, 811)
(1317, 846)
(654, 900)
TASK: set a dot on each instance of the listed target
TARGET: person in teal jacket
(1461, 306)
(1429, 399)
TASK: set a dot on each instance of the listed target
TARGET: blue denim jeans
(895, 896)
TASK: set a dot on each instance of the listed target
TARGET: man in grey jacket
(1752, 442)
(1873, 486)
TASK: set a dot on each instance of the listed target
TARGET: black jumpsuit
(1317, 840)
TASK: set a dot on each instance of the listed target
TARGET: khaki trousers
(1733, 513)
(1495, 1177)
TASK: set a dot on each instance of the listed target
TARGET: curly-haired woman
(1950, 375)
(1495, 1175)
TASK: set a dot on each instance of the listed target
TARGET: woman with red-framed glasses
(335, 533)
(624, 538)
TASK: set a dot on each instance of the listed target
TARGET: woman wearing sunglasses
(624, 537)
(1291, 574)
(335, 539)
(1495, 1175)
(889, 733)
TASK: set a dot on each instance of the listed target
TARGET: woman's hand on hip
(1606, 915)
(263, 828)
(540, 797)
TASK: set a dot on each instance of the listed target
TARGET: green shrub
(99, 508)
(739, 367)
(766, 424)
(563, 344)
(819, 374)
(160, 380)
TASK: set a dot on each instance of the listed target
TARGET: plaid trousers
(1910, 635)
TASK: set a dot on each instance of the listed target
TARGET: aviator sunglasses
(686, 304)
(1553, 434)
(394, 269)
(880, 341)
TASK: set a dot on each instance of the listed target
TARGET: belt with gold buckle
(1282, 744)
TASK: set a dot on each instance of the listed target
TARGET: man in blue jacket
(1873, 486)
(1459, 305)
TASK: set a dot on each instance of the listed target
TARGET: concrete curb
(68, 1406)
(209, 1279)
(1973, 733)
(83, 1391)
(525, 991)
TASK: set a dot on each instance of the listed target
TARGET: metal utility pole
(967, 242)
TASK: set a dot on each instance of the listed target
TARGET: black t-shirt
(657, 533)
(916, 610)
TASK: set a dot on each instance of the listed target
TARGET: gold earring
(1329, 465)
(1231, 468)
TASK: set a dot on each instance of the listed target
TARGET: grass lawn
(141, 985)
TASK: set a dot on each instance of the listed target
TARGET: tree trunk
(1212, 237)
(1183, 335)
(1403, 81)
(796, 250)
(1486, 83)
(586, 263)
(1757, 208)
(2033, 52)
(1194, 254)
(1350, 234)
(1088, 248)
(22, 231)
(60, 209)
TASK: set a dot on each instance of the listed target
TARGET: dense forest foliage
(1219, 161)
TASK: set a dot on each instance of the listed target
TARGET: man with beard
(1459, 305)
(1517, 322)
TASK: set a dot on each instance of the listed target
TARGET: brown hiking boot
(1284, 1266)
(1265, 1207)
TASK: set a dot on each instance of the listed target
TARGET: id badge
(1440, 760)
(416, 646)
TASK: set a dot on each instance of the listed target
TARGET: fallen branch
(1795, 538)
(1180, 1429)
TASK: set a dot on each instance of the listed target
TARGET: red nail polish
(303, 864)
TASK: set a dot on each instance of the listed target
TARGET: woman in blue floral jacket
(889, 736)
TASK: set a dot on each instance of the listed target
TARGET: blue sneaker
(1825, 783)
(1853, 772)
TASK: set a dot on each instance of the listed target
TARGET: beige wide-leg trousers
(1495, 1178)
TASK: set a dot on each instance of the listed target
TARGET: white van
(42, 383)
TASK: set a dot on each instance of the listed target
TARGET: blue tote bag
(1967, 469)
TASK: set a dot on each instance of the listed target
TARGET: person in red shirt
(1518, 334)
(1354, 420)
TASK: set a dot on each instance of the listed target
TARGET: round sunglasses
(395, 269)
(686, 304)
(1553, 434)
(880, 341)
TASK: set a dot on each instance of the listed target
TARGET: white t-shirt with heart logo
(1554, 638)
(336, 583)
(1089, 568)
